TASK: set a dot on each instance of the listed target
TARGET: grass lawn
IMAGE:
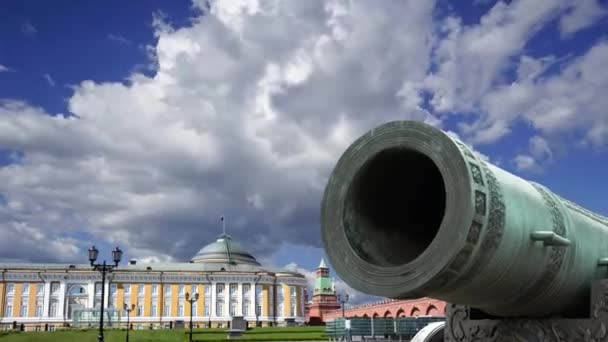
(257, 334)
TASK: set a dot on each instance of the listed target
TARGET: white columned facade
(252, 302)
(239, 299)
(61, 305)
(213, 305)
(91, 294)
(46, 302)
(106, 295)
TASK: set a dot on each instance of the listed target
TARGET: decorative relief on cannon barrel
(496, 217)
(556, 254)
(480, 203)
(494, 213)
(476, 172)
(494, 227)
(465, 149)
(475, 229)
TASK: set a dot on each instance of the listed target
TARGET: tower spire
(223, 220)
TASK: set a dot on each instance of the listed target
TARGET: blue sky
(76, 41)
(168, 114)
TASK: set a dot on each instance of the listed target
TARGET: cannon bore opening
(394, 207)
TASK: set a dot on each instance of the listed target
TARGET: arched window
(401, 313)
(415, 312)
(432, 311)
(77, 298)
(387, 313)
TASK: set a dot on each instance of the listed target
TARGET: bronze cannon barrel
(410, 211)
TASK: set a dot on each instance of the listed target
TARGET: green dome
(224, 250)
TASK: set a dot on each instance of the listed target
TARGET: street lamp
(103, 268)
(128, 310)
(191, 301)
(342, 301)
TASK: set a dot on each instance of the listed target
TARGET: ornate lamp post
(342, 301)
(191, 301)
(103, 268)
(128, 310)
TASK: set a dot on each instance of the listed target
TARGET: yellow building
(229, 281)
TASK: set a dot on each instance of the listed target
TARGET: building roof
(226, 251)
(322, 264)
(154, 266)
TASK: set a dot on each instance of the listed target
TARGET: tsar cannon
(411, 211)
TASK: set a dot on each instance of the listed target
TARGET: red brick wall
(392, 308)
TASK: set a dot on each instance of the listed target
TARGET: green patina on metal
(410, 211)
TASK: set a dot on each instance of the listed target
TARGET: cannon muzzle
(410, 211)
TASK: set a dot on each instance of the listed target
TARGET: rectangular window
(54, 288)
(193, 290)
(167, 310)
(153, 310)
(53, 309)
(39, 289)
(25, 289)
(127, 288)
(10, 288)
(23, 312)
(193, 309)
(207, 309)
(258, 300)
(208, 290)
(112, 289)
(233, 308)
(180, 310)
(292, 312)
(181, 290)
(140, 310)
(38, 308)
(280, 300)
(233, 289)
(98, 289)
(246, 289)
(220, 289)
(246, 308)
(258, 291)
(167, 289)
(8, 310)
(140, 290)
(292, 291)
(154, 289)
(51, 327)
(219, 310)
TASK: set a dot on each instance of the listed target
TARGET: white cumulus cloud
(251, 105)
